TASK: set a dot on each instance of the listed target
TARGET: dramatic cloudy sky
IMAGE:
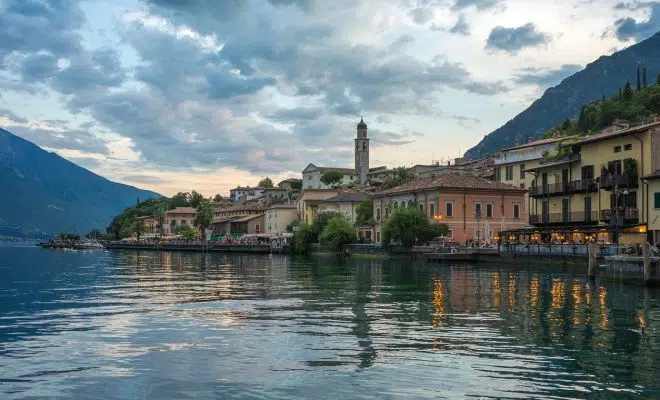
(208, 94)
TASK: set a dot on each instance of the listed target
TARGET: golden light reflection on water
(497, 291)
(438, 302)
(557, 292)
(603, 322)
(512, 292)
(534, 293)
(576, 293)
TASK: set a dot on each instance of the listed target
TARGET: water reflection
(175, 325)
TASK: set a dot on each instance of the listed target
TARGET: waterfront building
(278, 217)
(245, 193)
(473, 208)
(591, 188)
(653, 184)
(510, 166)
(150, 224)
(177, 217)
(238, 219)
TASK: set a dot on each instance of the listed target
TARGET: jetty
(197, 247)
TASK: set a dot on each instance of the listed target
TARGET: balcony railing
(567, 158)
(575, 217)
(620, 216)
(550, 189)
(608, 181)
(583, 185)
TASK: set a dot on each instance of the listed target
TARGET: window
(522, 171)
(449, 209)
(256, 229)
(516, 211)
(431, 209)
(588, 172)
(410, 203)
(617, 149)
(309, 177)
(509, 172)
(490, 234)
(396, 204)
(378, 237)
(498, 174)
(627, 147)
(657, 201)
(173, 222)
(364, 146)
(477, 209)
(378, 214)
(489, 210)
(387, 212)
(522, 185)
(450, 234)
(421, 207)
(477, 233)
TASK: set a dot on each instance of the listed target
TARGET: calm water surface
(132, 325)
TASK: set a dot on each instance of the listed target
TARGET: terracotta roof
(535, 143)
(248, 188)
(451, 181)
(313, 202)
(274, 188)
(247, 218)
(622, 132)
(225, 219)
(348, 197)
(347, 171)
(182, 210)
(282, 206)
(243, 207)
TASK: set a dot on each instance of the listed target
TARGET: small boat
(88, 245)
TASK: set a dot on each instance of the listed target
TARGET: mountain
(42, 193)
(602, 77)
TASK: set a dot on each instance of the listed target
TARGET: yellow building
(591, 187)
(278, 217)
(307, 204)
(653, 184)
(511, 164)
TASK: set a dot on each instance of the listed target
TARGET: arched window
(396, 204)
(432, 210)
(410, 203)
(364, 146)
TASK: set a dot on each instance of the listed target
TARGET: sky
(176, 95)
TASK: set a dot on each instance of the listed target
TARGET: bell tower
(362, 152)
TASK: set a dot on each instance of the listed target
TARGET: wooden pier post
(646, 253)
(593, 260)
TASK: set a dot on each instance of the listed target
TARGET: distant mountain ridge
(602, 77)
(43, 193)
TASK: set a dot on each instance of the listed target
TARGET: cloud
(86, 162)
(422, 15)
(10, 115)
(401, 43)
(478, 4)
(145, 179)
(62, 139)
(461, 27)
(388, 138)
(512, 40)
(546, 78)
(628, 28)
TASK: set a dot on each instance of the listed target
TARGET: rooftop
(247, 218)
(346, 171)
(284, 206)
(348, 197)
(451, 181)
(622, 132)
(243, 207)
(182, 210)
(652, 177)
(534, 143)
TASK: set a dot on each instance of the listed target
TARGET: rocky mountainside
(602, 77)
(43, 193)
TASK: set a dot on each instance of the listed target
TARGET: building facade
(345, 203)
(245, 193)
(591, 188)
(473, 208)
(177, 217)
(279, 217)
(307, 204)
(653, 185)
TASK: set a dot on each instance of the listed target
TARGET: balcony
(583, 186)
(551, 189)
(622, 180)
(620, 216)
(576, 217)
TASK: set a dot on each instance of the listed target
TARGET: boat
(88, 245)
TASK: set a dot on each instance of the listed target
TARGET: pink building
(474, 208)
(177, 217)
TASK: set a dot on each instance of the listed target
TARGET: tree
(639, 80)
(195, 199)
(292, 225)
(657, 79)
(338, 233)
(94, 234)
(401, 176)
(217, 198)
(409, 226)
(303, 238)
(566, 125)
(188, 234)
(332, 178)
(321, 220)
(627, 92)
(204, 217)
(365, 213)
(644, 78)
(179, 229)
(159, 214)
(266, 183)
(180, 199)
(296, 184)
(138, 228)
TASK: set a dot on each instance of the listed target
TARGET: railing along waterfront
(559, 250)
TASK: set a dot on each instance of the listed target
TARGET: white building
(278, 217)
(246, 193)
(345, 203)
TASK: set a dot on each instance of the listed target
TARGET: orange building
(474, 208)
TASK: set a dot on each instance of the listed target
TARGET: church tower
(362, 152)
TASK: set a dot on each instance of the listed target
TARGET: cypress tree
(639, 80)
(627, 92)
(621, 93)
(644, 78)
(657, 79)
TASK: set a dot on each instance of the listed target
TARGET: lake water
(134, 325)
